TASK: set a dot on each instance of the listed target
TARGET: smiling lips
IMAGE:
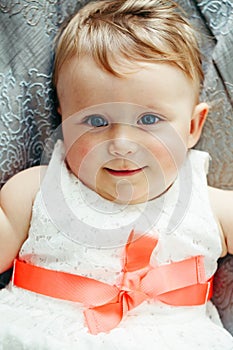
(124, 173)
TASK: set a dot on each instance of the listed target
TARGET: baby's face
(126, 138)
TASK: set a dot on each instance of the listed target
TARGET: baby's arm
(222, 204)
(16, 199)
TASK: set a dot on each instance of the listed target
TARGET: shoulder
(18, 194)
(26, 182)
(222, 204)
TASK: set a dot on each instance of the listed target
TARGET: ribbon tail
(138, 251)
(197, 294)
(103, 318)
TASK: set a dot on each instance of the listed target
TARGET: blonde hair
(135, 30)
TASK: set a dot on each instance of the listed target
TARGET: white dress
(181, 219)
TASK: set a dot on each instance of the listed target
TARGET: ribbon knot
(131, 281)
(128, 291)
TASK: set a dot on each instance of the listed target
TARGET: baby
(115, 243)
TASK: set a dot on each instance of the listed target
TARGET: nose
(121, 143)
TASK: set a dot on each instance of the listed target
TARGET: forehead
(82, 84)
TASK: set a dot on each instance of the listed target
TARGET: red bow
(177, 283)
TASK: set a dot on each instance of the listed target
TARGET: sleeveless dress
(81, 233)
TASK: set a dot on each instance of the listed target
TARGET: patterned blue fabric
(27, 108)
(28, 116)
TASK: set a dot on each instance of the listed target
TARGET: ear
(197, 122)
(59, 109)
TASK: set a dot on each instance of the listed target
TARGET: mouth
(124, 173)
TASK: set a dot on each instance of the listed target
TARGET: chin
(123, 197)
(135, 199)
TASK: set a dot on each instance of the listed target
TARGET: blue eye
(149, 119)
(96, 121)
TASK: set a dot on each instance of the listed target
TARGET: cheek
(162, 157)
(169, 147)
(167, 156)
(80, 155)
